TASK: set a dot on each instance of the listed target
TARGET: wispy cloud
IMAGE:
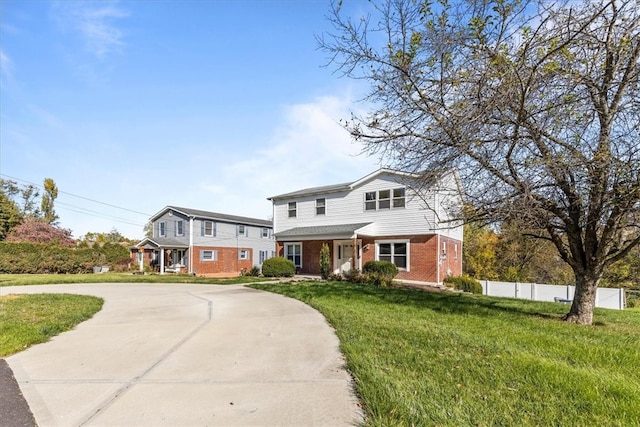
(6, 66)
(95, 21)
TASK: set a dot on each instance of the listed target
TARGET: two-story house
(386, 215)
(205, 243)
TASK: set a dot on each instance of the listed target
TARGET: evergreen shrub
(464, 283)
(380, 273)
(278, 267)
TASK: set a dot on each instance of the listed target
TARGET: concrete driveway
(187, 355)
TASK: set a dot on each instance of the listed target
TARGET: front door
(345, 257)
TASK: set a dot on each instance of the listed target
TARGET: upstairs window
(265, 233)
(370, 201)
(242, 230)
(384, 199)
(293, 209)
(398, 197)
(321, 206)
(162, 229)
(208, 228)
(179, 228)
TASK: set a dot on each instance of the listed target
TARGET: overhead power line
(77, 196)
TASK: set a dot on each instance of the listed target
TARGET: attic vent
(170, 213)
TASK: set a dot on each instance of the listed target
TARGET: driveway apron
(188, 355)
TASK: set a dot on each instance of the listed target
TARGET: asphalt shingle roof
(322, 230)
(221, 217)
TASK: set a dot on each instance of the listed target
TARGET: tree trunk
(584, 299)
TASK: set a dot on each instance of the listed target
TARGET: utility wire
(79, 197)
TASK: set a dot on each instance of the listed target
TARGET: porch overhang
(322, 232)
(161, 243)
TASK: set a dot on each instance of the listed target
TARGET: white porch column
(190, 245)
(161, 260)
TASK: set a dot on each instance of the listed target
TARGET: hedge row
(33, 258)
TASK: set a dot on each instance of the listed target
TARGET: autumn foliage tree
(536, 104)
(37, 231)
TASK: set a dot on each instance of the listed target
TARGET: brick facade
(228, 262)
(426, 256)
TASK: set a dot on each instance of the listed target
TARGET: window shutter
(202, 228)
(214, 225)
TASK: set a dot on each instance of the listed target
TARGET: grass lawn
(445, 359)
(31, 319)
(62, 279)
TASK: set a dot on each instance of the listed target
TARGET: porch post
(356, 256)
(161, 260)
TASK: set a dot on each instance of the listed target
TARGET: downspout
(438, 260)
(190, 245)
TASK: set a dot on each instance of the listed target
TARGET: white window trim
(324, 206)
(245, 230)
(407, 241)
(286, 245)
(162, 229)
(214, 255)
(176, 225)
(243, 251)
(262, 233)
(213, 228)
(295, 209)
(390, 199)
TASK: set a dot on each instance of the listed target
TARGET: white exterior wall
(417, 217)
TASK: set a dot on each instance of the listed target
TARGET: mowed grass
(444, 359)
(63, 279)
(26, 320)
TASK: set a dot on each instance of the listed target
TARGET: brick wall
(227, 263)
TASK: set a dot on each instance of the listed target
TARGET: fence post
(517, 290)
(486, 287)
(533, 292)
(621, 298)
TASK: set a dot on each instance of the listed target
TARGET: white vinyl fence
(605, 297)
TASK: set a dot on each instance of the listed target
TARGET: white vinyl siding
(346, 207)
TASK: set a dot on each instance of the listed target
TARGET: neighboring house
(205, 243)
(383, 216)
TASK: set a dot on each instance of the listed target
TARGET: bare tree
(536, 104)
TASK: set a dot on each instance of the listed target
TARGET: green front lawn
(445, 359)
(26, 320)
(61, 279)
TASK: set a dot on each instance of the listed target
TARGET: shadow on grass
(442, 302)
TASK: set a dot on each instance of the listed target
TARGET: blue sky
(212, 105)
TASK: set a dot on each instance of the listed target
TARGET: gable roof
(214, 216)
(341, 187)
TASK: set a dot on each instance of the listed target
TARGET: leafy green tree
(534, 103)
(50, 194)
(479, 257)
(9, 215)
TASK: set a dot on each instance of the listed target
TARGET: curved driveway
(188, 355)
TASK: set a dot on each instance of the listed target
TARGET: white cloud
(94, 21)
(308, 148)
(6, 66)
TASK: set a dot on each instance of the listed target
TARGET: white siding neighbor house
(205, 243)
(385, 215)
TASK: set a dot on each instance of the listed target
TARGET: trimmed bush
(380, 273)
(465, 284)
(325, 261)
(278, 267)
